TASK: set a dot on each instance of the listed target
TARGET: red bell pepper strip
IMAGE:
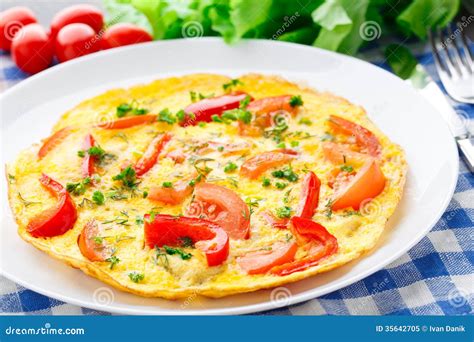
(88, 160)
(322, 244)
(54, 140)
(128, 122)
(58, 219)
(309, 198)
(202, 111)
(207, 236)
(149, 158)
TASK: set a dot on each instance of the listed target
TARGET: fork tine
(438, 62)
(461, 64)
(465, 46)
(453, 67)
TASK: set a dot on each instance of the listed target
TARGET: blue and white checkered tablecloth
(434, 278)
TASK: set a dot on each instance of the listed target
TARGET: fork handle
(466, 145)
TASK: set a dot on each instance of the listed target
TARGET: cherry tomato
(255, 166)
(263, 260)
(222, 206)
(128, 122)
(268, 105)
(363, 136)
(204, 110)
(58, 219)
(85, 14)
(174, 195)
(340, 154)
(207, 236)
(317, 238)
(279, 223)
(89, 246)
(366, 184)
(76, 40)
(124, 34)
(88, 160)
(309, 198)
(54, 140)
(149, 158)
(11, 21)
(32, 50)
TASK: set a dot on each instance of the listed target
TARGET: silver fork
(454, 62)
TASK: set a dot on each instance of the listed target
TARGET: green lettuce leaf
(424, 14)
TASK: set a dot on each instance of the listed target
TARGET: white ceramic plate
(29, 110)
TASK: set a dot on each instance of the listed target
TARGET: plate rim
(245, 309)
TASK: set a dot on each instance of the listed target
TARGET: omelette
(207, 185)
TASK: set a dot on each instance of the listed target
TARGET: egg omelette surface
(259, 181)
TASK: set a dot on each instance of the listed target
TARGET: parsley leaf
(230, 167)
(98, 197)
(284, 212)
(180, 252)
(136, 277)
(127, 176)
(296, 101)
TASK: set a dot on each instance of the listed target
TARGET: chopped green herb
(281, 185)
(25, 202)
(113, 261)
(295, 143)
(81, 153)
(216, 118)
(233, 83)
(79, 188)
(98, 197)
(286, 173)
(347, 168)
(281, 145)
(266, 182)
(167, 184)
(220, 148)
(96, 151)
(328, 207)
(145, 194)
(127, 176)
(166, 116)
(139, 220)
(123, 109)
(136, 277)
(230, 167)
(284, 212)
(98, 240)
(236, 114)
(180, 252)
(202, 124)
(199, 96)
(305, 121)
(245, 102)
(296, 101)
(180, 115)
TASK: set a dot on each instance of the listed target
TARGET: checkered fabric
(434, 278)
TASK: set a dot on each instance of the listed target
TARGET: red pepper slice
(54, 140)
(321, 242)
(261, 261)
(88, 160)
(149, 158)
(204, 110)
(58, 219)
(363, 136)
(207, 236)
(88, 245)
(128, 122)
(256, 165)
(309, 198)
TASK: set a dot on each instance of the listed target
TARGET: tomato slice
(309, 198)
(129, 121)
(58, 219)
(88, 160)
(222, 206)
(366, 184)
(204, 110)
(272, 104)
(340, 154)
(54, 140)
(207, 236)
(255, 166)
(363, 136)
(274, 221)
(88, 245)
(320, 241)
(262, 261)
(149, 158)
(174, 195)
